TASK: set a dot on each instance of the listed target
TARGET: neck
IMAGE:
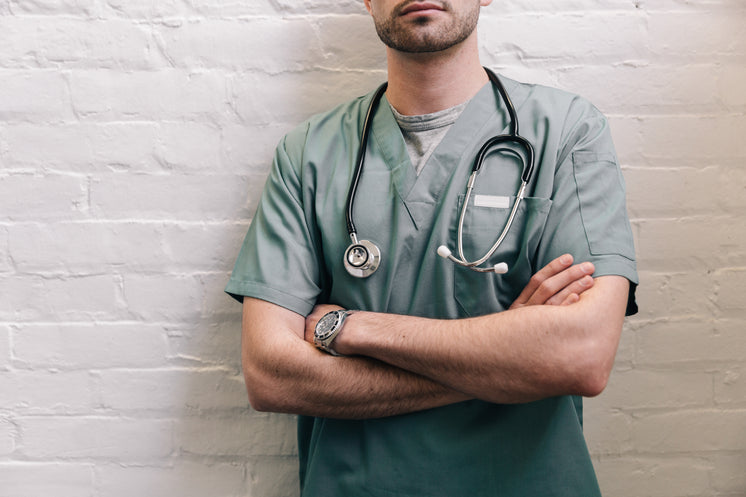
(430, 82)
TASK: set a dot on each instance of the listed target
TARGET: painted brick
(586, 37)
(359, 51)
(274, 477)
(181, 391)
(731, 285)
(5, 261)
(664, 295)
(106, 439)
(644, 389)
(7, 432)
(199, 197)
(54, 7)
(138, 246)
(728, 476)
(166, 10)
(83, 42)
(276, 44)
(606, 433)
(670, 477)
(691, 37)
(666, 88)
(51, 99)
(263, 99)
(212, 8)
(730, 386)
(189, 147)
(146, 95)
(248, 147)
(163, 297)
(29, 479)
(649, 191)
(320, 6)
(4, 347)
(686, 242)
(56, 297)
(215, 342)
(185, 479)
(691, 341)
(83, 147)
(247, 434)
(54, 196)
(89, 346)
(47, 392)
(686, 431)
(730, 82)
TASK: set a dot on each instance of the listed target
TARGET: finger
(553, 268)
(576, 287)
(555, 284)
(571, 299)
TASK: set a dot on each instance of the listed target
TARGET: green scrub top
(292, 256)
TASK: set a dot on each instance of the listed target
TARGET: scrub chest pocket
(476, 293)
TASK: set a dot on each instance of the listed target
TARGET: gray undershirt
(423, 133)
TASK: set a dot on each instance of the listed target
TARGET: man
(448, 382)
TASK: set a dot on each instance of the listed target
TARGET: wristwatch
(328, 328)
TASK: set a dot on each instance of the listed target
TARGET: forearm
(515, 356)
(286, 374)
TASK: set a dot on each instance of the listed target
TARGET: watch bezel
(327, 325)
(327, 329)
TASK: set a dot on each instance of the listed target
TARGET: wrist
(344, 343)
(329, 328)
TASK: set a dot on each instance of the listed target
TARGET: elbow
(266, 398)
(265, 391)
(591, 368)
(259, 398)
(594, 382)
(261, 403)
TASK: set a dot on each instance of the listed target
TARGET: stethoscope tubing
(488, 147)
(352, 192)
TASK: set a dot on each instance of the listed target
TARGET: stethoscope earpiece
(499, 268)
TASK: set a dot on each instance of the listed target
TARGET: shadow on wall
(222, 447)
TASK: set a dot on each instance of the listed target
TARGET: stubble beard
(423, 34)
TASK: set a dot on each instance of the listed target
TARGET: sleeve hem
(621, 266)
(240, 289)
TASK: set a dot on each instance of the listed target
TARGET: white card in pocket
(493, 201)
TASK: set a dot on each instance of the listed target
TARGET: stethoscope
(362, 258)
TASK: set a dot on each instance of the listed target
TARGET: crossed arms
(559, 337)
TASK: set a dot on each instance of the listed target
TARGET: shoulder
(326, 127)
(551, 102)
(576, 124)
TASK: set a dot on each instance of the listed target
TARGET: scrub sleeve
(588, 217)
(278, 261)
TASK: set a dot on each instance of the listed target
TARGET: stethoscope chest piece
(362, 258)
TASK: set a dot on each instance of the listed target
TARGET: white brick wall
(134, 140)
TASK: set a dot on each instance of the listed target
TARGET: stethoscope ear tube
(352, 192)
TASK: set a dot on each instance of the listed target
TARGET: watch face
(325, 326)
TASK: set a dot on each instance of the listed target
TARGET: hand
(557, 283)
(317, 313)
